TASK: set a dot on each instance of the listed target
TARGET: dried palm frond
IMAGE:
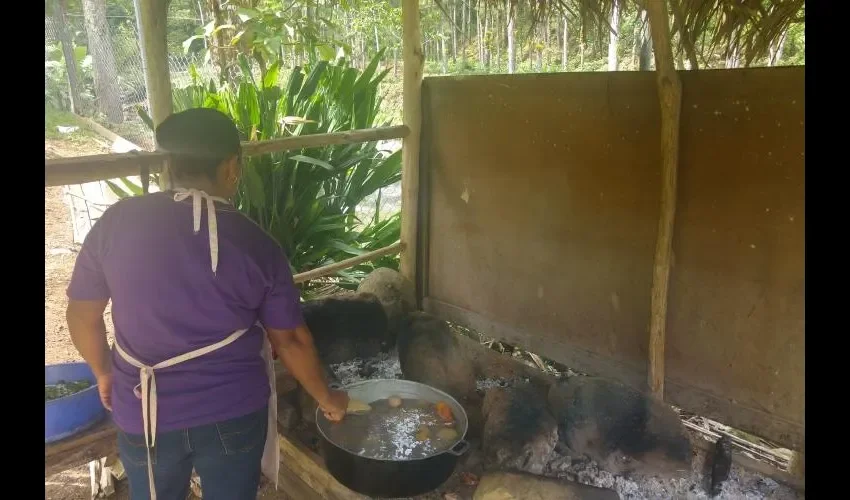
(748, 27)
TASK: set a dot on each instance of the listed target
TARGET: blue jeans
(226, 456)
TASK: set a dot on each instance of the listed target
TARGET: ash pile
(533, 435)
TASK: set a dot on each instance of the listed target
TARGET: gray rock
(620, 428)
(429, 353)
(347, 326)
(520, 486)
(519, 431)
(395, 292)
(287, 415)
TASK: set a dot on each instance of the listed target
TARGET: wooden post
(152, 17)
(412, 117)
(670, 97)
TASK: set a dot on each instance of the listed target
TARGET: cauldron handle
(459, 449)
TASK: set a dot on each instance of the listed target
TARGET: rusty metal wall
(540, 199)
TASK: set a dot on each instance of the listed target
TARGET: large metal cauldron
(393, 478)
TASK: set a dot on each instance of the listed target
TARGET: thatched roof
(746, 27)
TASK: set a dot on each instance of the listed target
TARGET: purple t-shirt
(144, 255)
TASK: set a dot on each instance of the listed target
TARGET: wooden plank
(345, 264)
(293, 486)
(309, 467)
(670, 97)
(412, 116)
(75, 451)
(81, 169)
(106, 133)
(94, 168)
(736, 414)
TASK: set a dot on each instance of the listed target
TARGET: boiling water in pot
(411, 430)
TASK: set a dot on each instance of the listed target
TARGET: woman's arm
(88, 333)
(296, 350)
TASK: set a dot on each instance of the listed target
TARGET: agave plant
(306, 199)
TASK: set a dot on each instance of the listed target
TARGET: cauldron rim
(456, 406)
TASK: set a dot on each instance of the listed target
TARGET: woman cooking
(200, 297)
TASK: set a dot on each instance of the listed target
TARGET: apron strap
(146, 390)
(197, 196)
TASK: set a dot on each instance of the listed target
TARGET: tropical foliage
(307, 199)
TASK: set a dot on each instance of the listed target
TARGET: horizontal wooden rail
(330, 269)
(65, 171)
(319, 140)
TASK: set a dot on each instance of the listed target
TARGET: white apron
(146, 390)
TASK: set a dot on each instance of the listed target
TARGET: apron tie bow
(198, 196)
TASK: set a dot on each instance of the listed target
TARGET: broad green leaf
(187, 44)
(326, 52)
(246, 14)
(270, 79)
(254, 188)
(313, 161)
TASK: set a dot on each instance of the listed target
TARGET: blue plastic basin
(69, 415)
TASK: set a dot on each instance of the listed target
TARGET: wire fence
(122, 44)
(121, 50)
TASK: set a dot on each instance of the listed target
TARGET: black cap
(200, 133)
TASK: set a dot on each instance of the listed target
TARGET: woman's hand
(335, 406)
(104, 388)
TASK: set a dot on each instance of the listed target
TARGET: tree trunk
(498, 41)
(645, 59)
(565, 54)
(487, 13)
(377, 42)
(454, 32)
(614, 37)
(511, 40)
(61, 24)
(464, 33)
(444, 56)
(546, 35)
(581, 47)
(538, 52)
(103, 57)
(220, 52)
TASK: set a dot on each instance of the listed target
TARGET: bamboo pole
(670, 98)
(81, 169)
(347, 263)
(412, 117)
